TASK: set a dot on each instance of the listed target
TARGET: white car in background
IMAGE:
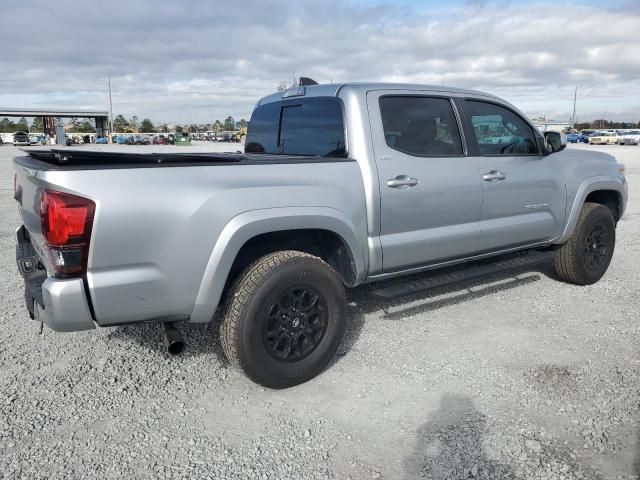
(6, 137)
(631, 137)
(603, 138)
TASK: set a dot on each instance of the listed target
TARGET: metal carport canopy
(9, 112)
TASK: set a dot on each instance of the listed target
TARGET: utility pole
(110, 102)
(573, 116)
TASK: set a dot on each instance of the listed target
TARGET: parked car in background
(232, 136)
(182, 138)
(160, 140)
(141, 140)
(171, 139)
(577, 137)
(603, 138)
(21, 138)
(631, 137)
(101, 140)
(37, 139)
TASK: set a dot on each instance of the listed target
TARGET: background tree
(229, 123)
(242, 123)
(86, 126)
(22, 125)
(286, 84)
(120, 124)
(164, 128)
(179, 129)
(38, 124)
(146, 125)
(7, 125)
(134, 124)
(75, 125)
(217, 126)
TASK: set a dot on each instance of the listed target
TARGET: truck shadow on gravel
(450, 446)
(457, 443)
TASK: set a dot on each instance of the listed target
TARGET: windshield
(299, 126)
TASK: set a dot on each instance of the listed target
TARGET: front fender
(589, 185)
(247, 225)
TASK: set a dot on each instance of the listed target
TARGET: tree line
(602, 124)
(121, 125)
(134, 125)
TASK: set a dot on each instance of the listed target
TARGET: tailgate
(28, 190)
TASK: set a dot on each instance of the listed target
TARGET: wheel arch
(607, 191)
(609, 198)
(322, 231)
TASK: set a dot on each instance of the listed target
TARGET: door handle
(494, 176)
(402, 182)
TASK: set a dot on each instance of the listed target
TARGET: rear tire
(284, 319)
(584, 259)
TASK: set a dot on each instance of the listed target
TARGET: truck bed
(81, 159)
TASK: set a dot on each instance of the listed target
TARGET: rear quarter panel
(155, 228)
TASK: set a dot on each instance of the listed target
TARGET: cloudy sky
(199, 60)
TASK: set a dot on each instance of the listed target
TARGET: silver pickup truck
(338, 185)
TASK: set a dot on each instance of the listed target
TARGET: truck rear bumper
(60, 303)
(65, 306)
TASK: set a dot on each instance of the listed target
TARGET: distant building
(551, 125)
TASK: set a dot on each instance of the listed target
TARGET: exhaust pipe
(172, 338)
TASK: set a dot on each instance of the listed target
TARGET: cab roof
(333, 89)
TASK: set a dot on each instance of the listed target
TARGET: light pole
(573, 116)
(110, 103)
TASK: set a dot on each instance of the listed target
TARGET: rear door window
(420, 126)
(310, 126)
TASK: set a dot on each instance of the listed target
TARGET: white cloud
(198, 61)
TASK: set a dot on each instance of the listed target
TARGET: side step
(505, 263)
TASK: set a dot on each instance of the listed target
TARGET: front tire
(284, 319)
(584, 259)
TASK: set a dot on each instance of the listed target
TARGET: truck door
(431, 194)
(523, 192)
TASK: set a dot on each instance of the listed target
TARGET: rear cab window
(312, 126)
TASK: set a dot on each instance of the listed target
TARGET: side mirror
(554, 142)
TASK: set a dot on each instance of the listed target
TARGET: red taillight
(66, 225)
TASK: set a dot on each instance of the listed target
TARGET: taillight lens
(66, 225)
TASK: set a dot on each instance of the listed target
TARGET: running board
(507, 263)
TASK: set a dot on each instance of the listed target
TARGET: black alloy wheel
(596, 243)
(295, 324)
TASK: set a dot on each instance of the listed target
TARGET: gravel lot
(507, 377)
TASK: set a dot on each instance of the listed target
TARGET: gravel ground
(512, 377)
